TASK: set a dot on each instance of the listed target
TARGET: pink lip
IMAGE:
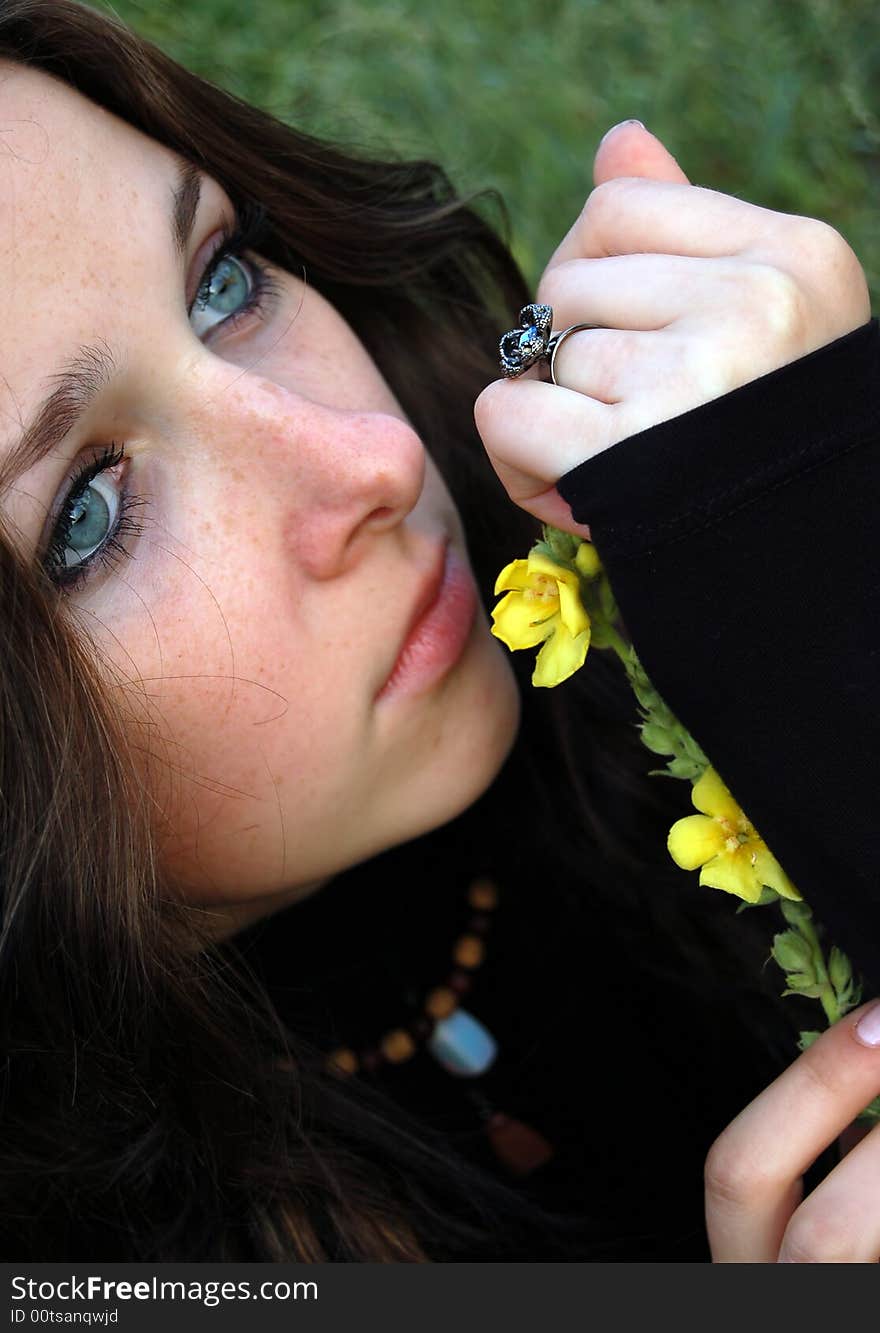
(438, 629)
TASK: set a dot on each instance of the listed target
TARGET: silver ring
(558, 339)
(531, 342)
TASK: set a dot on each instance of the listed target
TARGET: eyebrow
(92, 369)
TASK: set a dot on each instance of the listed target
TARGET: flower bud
(657, 739)
(587, 561)
(793, 954)
(839, 970)
(795, 912)
(800, 985)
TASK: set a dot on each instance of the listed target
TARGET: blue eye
(92, 521)
(233, 287)
(227, 289)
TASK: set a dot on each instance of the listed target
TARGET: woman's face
(280, 526)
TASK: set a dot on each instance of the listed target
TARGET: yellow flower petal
(734, 873)
(694, 840)
(770, 872)
(522, 624)
(542, 564)
(712, 797)
(513, 577)
(574, 617)
(560, 657)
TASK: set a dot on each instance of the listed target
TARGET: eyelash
(245, 235)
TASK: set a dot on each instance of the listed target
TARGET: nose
(361, 474)
(334, 479)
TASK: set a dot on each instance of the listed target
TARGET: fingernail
(867, 1030)
(619, 126)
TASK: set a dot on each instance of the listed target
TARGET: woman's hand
(754, 1207)
(696, 293)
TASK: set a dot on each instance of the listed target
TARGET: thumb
(628, 149)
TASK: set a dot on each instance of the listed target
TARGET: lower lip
(437, 640)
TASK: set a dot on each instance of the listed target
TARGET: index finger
(754, 1170)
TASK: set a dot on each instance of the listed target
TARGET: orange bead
(469, 951)
(397, 1046)
(483, 895)
(343, 1061)
(441, 1002)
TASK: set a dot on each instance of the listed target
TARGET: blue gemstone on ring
(522, 347)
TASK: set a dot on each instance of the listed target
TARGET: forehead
(62, 157)
(84, 202)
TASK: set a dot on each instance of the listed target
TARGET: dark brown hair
(153, 1105)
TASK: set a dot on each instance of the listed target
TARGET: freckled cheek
(231, 758)
(237, 675)
(215, 605)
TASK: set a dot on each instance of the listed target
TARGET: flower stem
(829, 1004)
(827, 998)
(801, 918)
(618, 643)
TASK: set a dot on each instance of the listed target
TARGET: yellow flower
(543, 605)
(726, 844)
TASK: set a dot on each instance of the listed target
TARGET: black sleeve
(740, 542)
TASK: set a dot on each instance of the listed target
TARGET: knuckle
(732, 1180)
(835, 267)
(823, 242)
(816, 1237)
(783, 305)
(829, 267)
(605, 202)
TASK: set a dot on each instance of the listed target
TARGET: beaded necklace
(456, 1039)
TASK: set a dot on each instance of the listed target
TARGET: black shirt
(741, 543)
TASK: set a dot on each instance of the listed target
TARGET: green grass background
(776, 102)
